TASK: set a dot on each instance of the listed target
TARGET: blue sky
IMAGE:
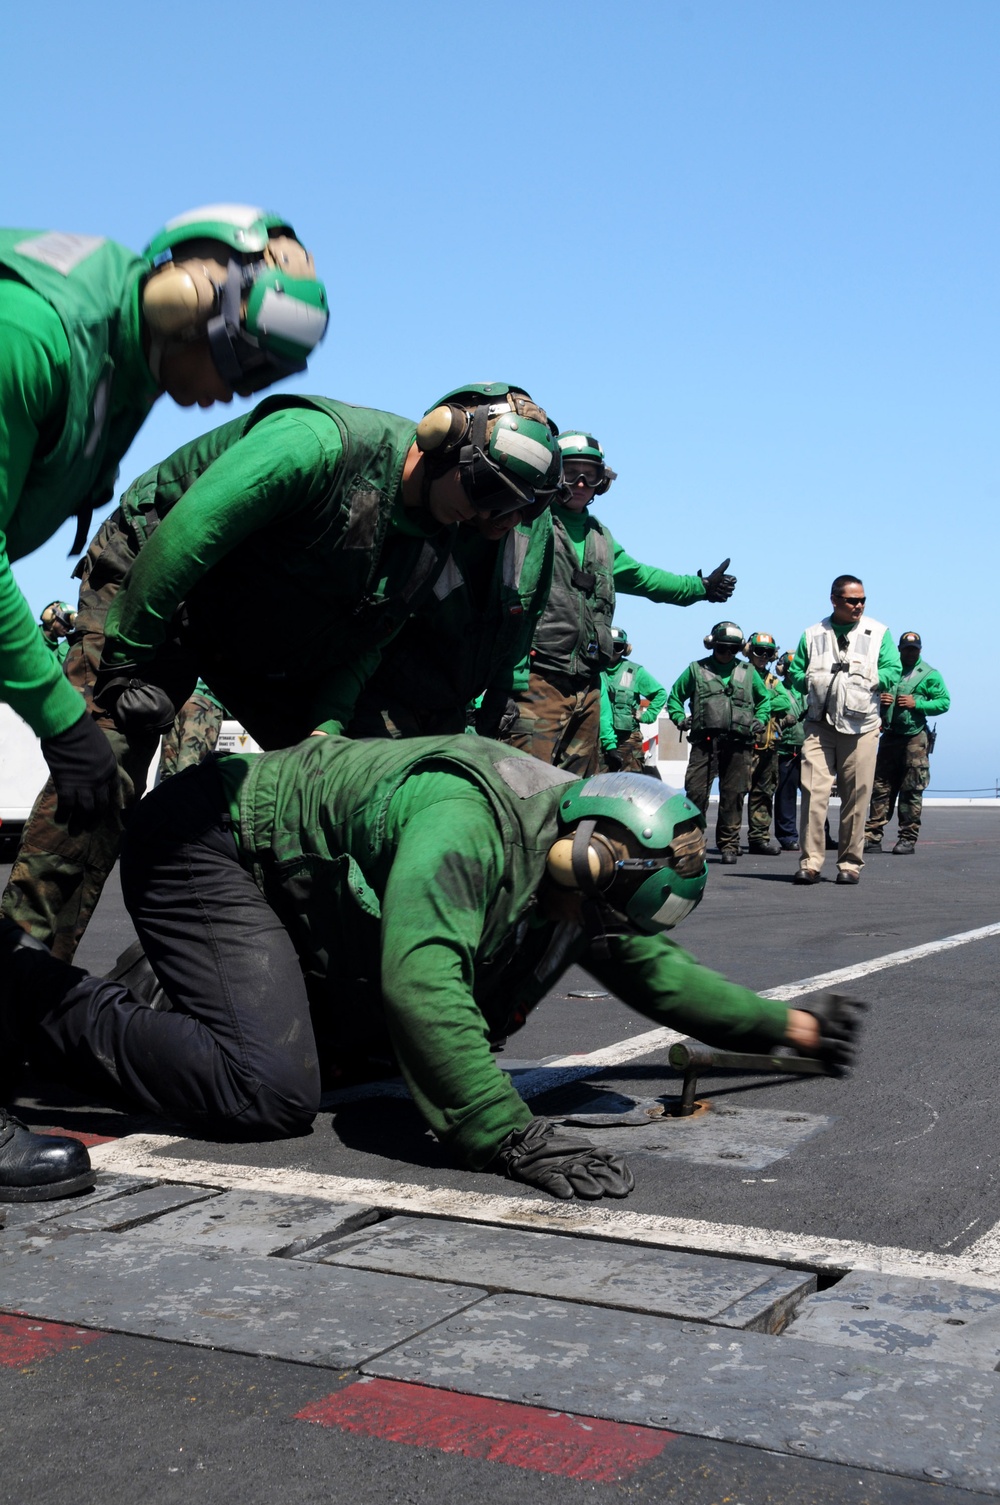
(749, 243)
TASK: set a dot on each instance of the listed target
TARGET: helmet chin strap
(580, 858)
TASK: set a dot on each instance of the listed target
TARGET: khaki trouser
(828, 758)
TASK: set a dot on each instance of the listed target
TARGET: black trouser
(785, 813)
(728, 759)
(237, 1052)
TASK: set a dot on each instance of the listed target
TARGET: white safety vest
(849, 700)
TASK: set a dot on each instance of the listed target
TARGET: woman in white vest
(842, 665)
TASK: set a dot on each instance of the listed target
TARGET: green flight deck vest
(719, 706)
(574, 635)
(330, 552)
(92, 284)
(310, 826)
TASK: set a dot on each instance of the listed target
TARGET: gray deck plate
(16, 1215)
(734, 1293)
(129, 1209)
(900, 1415)
(245, 1222)
(308, 1313)
(936, 1319)
(740, 1138)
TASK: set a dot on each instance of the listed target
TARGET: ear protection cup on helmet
(584, 860)
(442, 428)
(180, 296)
(708, 640)
(604, 484)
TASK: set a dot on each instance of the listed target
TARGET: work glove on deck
(543, 1155)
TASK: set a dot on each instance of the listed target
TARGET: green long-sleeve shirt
(630, 576)
(621, 707)
(35, 373)
(285, 462)
(930, 697)
(429, 876)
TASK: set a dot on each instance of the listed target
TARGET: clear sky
(751, 244)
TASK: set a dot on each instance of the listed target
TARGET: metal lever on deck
(693, 1059)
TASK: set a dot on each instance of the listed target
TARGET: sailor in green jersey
(625, 687)
(902, 768)
(57, 621)
(90, 335)
(558, 695)
(452, 667)
(729, 709)
(339, 517)
(789, 764)
(760, 648)
(843, 665)
(223, 299)
(424, 896)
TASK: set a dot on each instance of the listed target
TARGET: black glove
(85, 773)
(758, 728)
(562, 1165)
(840, 1020)
(614, 760)
(718, 585)
(132, 704)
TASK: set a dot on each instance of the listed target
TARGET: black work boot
(872, 844)
(33, 1167)
(904, 848)
(39, 1167)
(762, 848)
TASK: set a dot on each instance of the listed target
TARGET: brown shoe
(847, 875)
(805, 875)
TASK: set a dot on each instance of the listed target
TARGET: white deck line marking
(569, 1068)
(879, 963)
(142, 1155)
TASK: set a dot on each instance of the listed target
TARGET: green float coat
(578, 619)
(722, 700)
(291, 508)
(415, 865)
(74, 390)
(627, 684)
(930, 695)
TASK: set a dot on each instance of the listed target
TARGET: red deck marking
(553, 1442)
(23, 1340)
(88, 1140)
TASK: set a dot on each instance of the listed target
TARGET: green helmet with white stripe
(633, 845)
(576, 445)
(240, 277)
(502, 442)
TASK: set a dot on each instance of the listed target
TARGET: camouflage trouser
(760, 800)
(630, 751)
(902, 772)
(57, 878)
(559, 721)
(713, 757)
(192, 737)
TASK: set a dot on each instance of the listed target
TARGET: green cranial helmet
(725, 635)
(620, 645)
(502, 442)
(58, 619)
(634, 845)
(762, 644)
(576, 445)
(239, 276)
